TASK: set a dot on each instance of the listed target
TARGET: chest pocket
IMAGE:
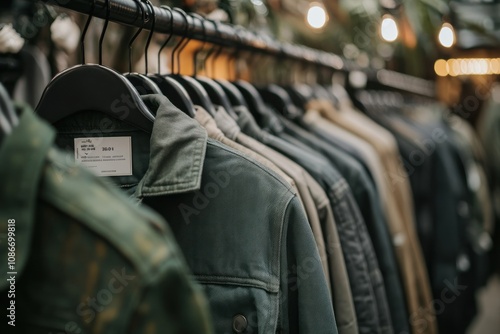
(242, 309)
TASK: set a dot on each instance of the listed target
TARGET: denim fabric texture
(346, 213)
(318, 208)
(241, 228)
(88, 259)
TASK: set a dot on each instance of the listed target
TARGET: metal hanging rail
(406, 83)
(127, 12)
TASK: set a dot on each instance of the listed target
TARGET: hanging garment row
(294, 211)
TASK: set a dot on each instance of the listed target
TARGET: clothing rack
(404, 82)
(370, 79)
(128, 12)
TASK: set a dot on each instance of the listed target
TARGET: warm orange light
(494, 66)
(467, 66)
(441, 67)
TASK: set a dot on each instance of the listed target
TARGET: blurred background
(454, 44)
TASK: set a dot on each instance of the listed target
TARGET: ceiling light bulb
(316, 16)
(446, 35)
(389, 29)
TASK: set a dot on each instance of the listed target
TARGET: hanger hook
(104, 28)
(210, 51)
(233, 55)
(219, 49)
(132, 40)
(254, 56)
(184, 15)
(204, 40)
(169, 37)
(181, 48)
(84, 31)
(151, 32)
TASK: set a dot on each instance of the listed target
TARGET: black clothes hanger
(141, 82)
(215, 92)
(254, 101)
(264, 115)
(195, 90)
(280, 100)
(300, 94)
(176, 93)
(234, 95)
(168, 86)
(94, 87)
(213, 89)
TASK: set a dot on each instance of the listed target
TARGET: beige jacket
(400, 212)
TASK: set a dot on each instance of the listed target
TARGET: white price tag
(105, 156)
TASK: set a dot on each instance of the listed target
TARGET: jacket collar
(22, 154)
(271, 124)
(208, 123)
(177, 151)
(227, 125)
(248, 125)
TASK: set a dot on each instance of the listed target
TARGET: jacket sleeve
(306, 305)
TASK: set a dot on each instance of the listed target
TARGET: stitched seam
(166, 188)
(255, 163)
(153, 190)
(128, 185)
(232, 280)
(282, 225)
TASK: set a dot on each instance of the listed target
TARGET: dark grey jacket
(347, 217)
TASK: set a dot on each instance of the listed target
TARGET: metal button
(240, 323)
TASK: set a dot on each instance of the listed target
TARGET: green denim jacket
(87, 259)
(242, 230)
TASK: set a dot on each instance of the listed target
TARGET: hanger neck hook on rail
(218, 49)
(177, 47)
(233, 56)
(84, 31)
(132, 40)
(169, 10)
(209, 53)
(200, 49)
(150, 36)
(104, 28)
(186, 42)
